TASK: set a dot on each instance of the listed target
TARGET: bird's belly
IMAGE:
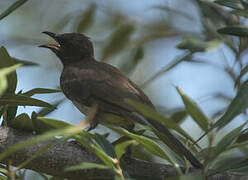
(82, 108)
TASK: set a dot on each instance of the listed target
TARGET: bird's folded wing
(108, 90)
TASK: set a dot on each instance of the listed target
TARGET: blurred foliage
(223, 24)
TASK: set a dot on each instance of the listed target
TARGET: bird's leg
(93, 121)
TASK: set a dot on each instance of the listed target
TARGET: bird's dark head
(70, 47)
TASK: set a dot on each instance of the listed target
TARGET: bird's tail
(176, 143)
(172, 140)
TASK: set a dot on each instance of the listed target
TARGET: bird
(88, 82)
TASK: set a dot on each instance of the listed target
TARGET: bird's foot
(93, 124)
(92, 117)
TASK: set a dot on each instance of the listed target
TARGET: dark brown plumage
(86, 82)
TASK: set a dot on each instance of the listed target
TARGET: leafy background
(160, 45)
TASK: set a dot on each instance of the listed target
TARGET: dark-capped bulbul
(87, 82)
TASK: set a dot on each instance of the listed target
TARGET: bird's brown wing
(107, 88)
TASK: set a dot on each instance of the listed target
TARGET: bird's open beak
(53, 47)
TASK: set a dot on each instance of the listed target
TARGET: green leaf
(3, 77)
(10, 114)
(150, 145)
(194, 111)
(234, 30)
(104, 157)
(224, 165)
(45, 111)
(5, 62)
(243, 136)
(242, 72)
(87, 18)
(105, 145)
(46, 124)
(117, 41)
(147, 111)
(20, 100)
(3, 85)
(235, 4)
(7, 70)
(86, 165)
(243, 13)
(11, 8)
(237, 106)
(40, 91)
(120, 148)
(225, 142)
(3, 171)
(179, 116)
(195, 45)
(229, 139)
(22, 122)
(95, 148)
(24, 63)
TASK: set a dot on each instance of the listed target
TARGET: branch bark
(63, 154)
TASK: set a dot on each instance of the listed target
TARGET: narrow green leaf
(117, 41)
(237, 106)
(150, 145)
(42, 125)
(179, 116)
(120, 148)
(7, 70)
(243, 136)
(225, 142)
(95, 148)
(3, 77)
(147, 111)
(20, 100)
(40, 91)
(45, 111)
(243, 13)
(234, 30)
(242, 73)
(86, 165)
(224, 165)
(87, 18)
(4, 171)
(105, 145)
(195, 45)
(194, 111)
(56, 124)
(11, 8)
(228, 139)
(3, 85)
(235, 4)
(22, 122)
(7, 61)
(10, 114)
(104, 157)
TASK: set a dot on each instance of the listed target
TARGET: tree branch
(63, 154)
